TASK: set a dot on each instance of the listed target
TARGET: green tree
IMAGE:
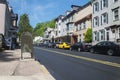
(24, 24)
(40, 27)
(88, 36)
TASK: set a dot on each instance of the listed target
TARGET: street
(73, 65)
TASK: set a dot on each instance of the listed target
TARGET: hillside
(39, 29)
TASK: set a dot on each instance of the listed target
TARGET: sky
(43, 10)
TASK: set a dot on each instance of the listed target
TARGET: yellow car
(64, 45)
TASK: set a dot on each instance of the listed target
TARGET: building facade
(68, 26)
(60, 29)
(49, 34)
(105, 20)
(8, 21)
(100, 20)
(115, 20)
(82, 19)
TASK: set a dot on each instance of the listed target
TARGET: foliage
(24, 24)
(40, 27)
(88, 36)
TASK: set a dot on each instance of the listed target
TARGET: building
(115, 20)
(8, 21)
(60, 28)
(74, 24)
(82, 21)
(37, 39)
(69, 23)
(105, 20)
(49, 34)
(65, 26)
(100, 20)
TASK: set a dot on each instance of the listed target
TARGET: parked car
(80, 46)
(56, 44)
(2, 41)
(9, 43)
(64, 45)
(41, 44)
(50, 45)
(106, 47)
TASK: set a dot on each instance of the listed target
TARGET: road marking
(86, 58)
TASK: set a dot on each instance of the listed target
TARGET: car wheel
(63, 47)
(79, 49)
(70, 48)
(110, 52)
(92, 50)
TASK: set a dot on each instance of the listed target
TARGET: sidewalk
(13, 68)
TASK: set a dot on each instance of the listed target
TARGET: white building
(103, 17)
(49, 34)
(60, 27)
(37, 39)
(115, 19)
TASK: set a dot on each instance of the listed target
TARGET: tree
(40, 27)
(88, 36)
(24, 24)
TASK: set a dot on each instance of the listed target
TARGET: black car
(106, 47)
(79, 46)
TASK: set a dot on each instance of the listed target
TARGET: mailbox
(26, 44)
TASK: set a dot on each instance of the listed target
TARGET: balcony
(14, 17)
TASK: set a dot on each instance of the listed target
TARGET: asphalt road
(73, 65)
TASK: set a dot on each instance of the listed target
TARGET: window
(107, 35)
(102, 35)
(80, 38)
(95, 36)
(96, 21)
(118, 32)
(84, 25)
(67, 27)
(104, 18)
(76, 27)
(104, 3)
(115, 14)
(79, 26)
(96, 7)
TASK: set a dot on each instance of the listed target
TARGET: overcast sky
(43, 10)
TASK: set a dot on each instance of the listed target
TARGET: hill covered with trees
(40, 27)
